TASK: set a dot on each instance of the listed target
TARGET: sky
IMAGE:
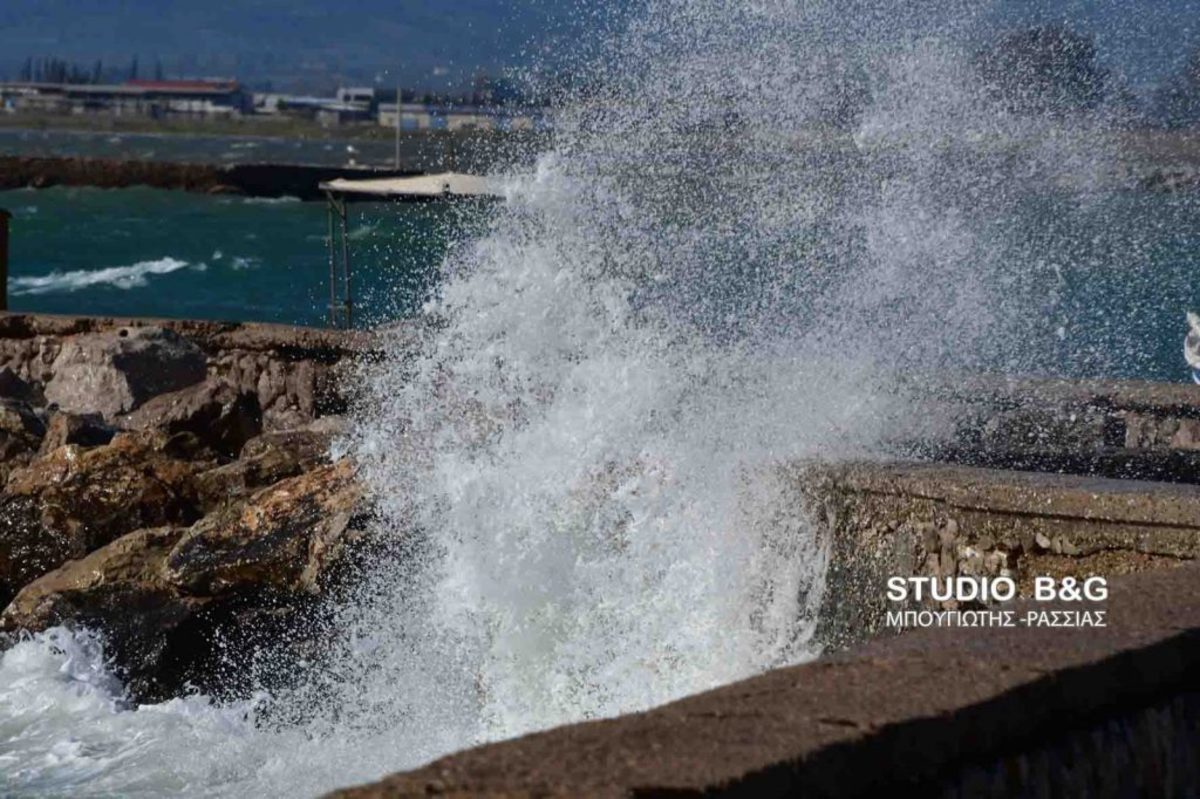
(439, 44)
(414, 42)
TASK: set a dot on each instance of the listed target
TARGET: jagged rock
(215, 411)
(115, 371)
(284, 537)
(13, 387)
(264, 461)
(118, 590)
(309, 444)
(208, 606)
(74, 500)
(20, 428)
(84, 430)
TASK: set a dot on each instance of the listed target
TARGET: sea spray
(755, 219)
(727, 270)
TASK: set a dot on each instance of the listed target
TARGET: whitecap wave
(133, 276)
(286, 199)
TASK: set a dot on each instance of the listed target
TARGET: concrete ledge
(999, 711)
(1123, 429)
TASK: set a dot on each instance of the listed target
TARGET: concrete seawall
(252, 180)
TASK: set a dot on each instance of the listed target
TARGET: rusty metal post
(333, 322)
(348, 303)
(4, 217)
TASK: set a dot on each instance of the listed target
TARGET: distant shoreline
(246, 127)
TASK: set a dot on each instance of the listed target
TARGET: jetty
(249, 180)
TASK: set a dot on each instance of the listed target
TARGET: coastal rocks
(74, 500)
(215, 411)
(13, 387)
(285, 537)
(178, 494)
(115, 371)
(298, 374)
(119, 591)
(290, 392)
(195, 605)
(21, 431)
(20, 428)
(81, 429)
(264, 461)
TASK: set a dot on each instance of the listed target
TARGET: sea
(1108, 303)
(151, 252)
(699, 280)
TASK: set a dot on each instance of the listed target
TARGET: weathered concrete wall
(931, 712)
(1120, 429)
(901, 519)
(1153, 751)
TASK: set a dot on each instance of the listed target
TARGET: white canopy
(446, 184)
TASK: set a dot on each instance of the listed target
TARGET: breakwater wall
(251, 180)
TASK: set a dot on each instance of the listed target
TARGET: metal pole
(4, 217)
(346, 265)
(332, 267)
(397, 163)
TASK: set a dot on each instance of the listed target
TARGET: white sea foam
(133, 276)
(242, 263)
(286, 199)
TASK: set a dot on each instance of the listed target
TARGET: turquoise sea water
(148, 252)
(1107, 299)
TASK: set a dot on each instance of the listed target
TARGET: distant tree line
(58, 70)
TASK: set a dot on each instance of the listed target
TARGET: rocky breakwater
(253, 180)
(170, 484)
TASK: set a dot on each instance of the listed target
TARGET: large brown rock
(20, 428)
(285, 537)
(117, 370)
(74, 500)
(13, 387)
(21, 432)
(118, 590)
(215, 411)
(264, 461)
(236, 594)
